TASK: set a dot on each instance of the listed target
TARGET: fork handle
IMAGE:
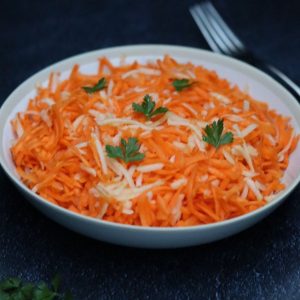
(291, 86)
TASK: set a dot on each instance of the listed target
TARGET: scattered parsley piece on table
(214, 134)
(147, 108)
(127, 151)
(15, 289)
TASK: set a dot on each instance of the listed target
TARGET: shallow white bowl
(260, 86)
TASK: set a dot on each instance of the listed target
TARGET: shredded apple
(155, 144)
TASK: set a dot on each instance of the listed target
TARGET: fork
(221, 39)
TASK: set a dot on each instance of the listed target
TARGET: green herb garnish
(97, 87)
(127, 151)
(15, 289)
(180, 84)
(214, 134)
(147, 108)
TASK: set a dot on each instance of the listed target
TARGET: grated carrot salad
(60, 154)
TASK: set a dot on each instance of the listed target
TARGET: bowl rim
(148, 48)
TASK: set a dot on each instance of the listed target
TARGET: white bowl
(261, 86)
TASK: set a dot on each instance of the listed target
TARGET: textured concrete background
(260, 263)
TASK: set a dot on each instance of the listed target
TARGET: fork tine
(219, 31)
(201, 25)
(223, 26)
(218, 40)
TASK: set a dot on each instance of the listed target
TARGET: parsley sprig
(127, 151)
(100, 85)
(180, 84)
(147, 108)
(15, 289)
(214, 134)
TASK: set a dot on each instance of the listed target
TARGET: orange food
(182, 181)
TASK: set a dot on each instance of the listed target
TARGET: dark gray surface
(260, 263)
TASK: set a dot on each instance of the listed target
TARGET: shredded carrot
(59, 151)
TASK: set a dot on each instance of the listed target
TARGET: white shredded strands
(259, 185)
(55, 82)
(145, 71)
(180, 145)
(206, 192)
(172, 159)
(103, 210)
(271, 197)
(149, 195)
(150, 168)
(271, 139)
(127, 211)
(249, 174)
(248, 130)
(176, 211)
(190, 108)
(204, 113)
(181, 75)
(82, 145)
(245, 191)
(91, 171)
(65, 95)
(19, 128)
(110, 88)
(77, 176)
(246, 105)
(127, 193)
(100, 105)
(191, 142)
(45, 117)
(100, 153)
(77, 122)
(178, 183)
(139, 180)
(220, 98)
(30, 112)
(127, 204)
(203, 178)
(287, 147)
(233, 118)
(235, 110)
(100, 116)
(242, 150)
(237, 130)
(118, 121)
(200, 144)
(173, 119)
(191, 74)
(252, 151)
(228, 157)
(252, 186)
(48, 101)
(131, 170)
(167, 101)
(121, 170)
(35, 188)
(158, 122)
(215, 182)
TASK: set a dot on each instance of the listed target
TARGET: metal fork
(221, 39)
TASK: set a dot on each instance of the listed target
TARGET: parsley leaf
(97, 87)
(147, 108)
(55, 282)
(180, 84)
(214, 134)
(127, 151)
(15, 289)
(10, 284)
